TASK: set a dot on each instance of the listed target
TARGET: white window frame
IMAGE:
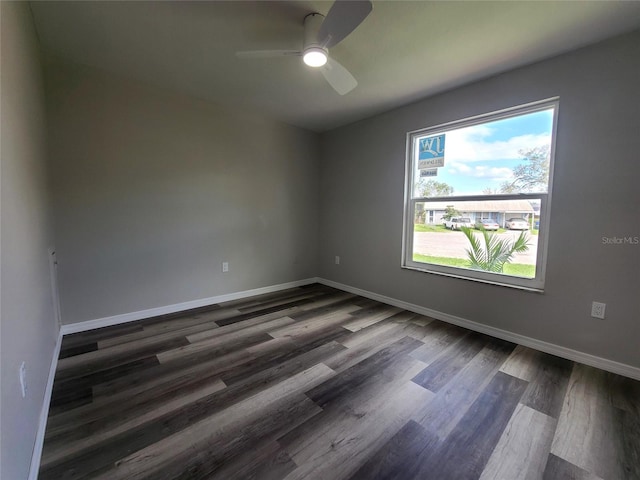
(532, 284)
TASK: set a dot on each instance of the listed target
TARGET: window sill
(474, 279)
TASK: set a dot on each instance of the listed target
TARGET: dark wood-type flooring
(313, 382)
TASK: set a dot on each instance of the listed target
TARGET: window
(478, 196)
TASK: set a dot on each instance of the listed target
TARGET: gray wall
(595, 194)
(153, 190)
(28, 329)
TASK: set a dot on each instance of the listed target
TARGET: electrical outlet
(23, 379)
(597, 310)
(225, 267)
(337, 260)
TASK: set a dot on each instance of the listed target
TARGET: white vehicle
(455, 223)
(517, 224)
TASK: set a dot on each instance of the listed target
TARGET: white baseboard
(553, 349)
(44, 412)
(178, 307)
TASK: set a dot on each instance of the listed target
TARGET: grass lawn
(421, 227)
(516, 269)
(520, 270)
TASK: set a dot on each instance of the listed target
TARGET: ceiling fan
(320, 34)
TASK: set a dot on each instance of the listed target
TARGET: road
(454, 244)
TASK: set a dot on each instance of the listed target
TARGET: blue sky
(483, 156)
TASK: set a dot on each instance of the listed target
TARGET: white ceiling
(402, 52)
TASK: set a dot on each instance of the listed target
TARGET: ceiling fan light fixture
(315, 57)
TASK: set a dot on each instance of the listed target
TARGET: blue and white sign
(431, 152)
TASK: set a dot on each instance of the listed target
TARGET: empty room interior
(321, 240)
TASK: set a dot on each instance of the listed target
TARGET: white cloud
(471, 145)
(458, 167)
(498, 174)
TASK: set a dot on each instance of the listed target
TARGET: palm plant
(495, 252)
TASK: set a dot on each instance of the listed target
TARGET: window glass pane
(505, 156)
(497, 236)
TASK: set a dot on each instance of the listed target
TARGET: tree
(532, 175)
(492, 256)
(449, 212)
(433, 188)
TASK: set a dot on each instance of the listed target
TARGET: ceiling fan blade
(342, 19)
(338, 77)
(268, 53)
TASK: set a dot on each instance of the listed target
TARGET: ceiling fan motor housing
(312, 24)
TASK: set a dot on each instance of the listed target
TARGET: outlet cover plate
(597, 310)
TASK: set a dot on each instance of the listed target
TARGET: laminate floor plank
(86, 363)
(268, 461)
(559, 469)
(286, 351)
(450, 362)
(398, 458)
(437, 336)
(548, 386)
(468, 448)
(340, 440)
(422, 320)
(129, 383)
(65, 390)
(320, 308)
(395, 327)
(371, 307)
(93, 433)
(187, 326)
(262, 298)
(364, 320)
(366, 303)
(70, 399)
(178, 316)
(93, 336)
(451, 403)
(317, 383)
(370, 334)
(177, 451)
(624, 393)
(98, 416)
(227, 438)
(361, 403)
(329, 301)
(167, 378)
(590, 432)
(244, 325)
(300, 328)
(100, 457)
(80, 349)
(629, 456)
(196, 352)
(210, 343)
(367, 345)
(264, 311)
(352, 378)
(302, 295)
(523, 448)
